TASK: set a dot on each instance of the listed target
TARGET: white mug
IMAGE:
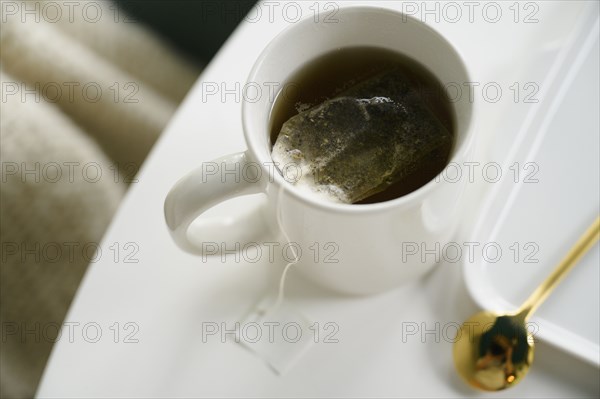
(368, 239)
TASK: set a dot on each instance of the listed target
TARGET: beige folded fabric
(125, 43)
(124, 114)
(41, 214)
(53, 120)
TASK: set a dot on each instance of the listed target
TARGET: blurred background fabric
(126, 84)
(83, 101)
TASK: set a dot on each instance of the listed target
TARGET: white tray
(561, 136)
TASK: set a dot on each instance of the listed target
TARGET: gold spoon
(494, 351)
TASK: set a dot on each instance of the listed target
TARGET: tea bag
(361, 141)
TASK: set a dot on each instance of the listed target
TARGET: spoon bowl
(493, 351)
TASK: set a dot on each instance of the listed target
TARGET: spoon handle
(585, 242)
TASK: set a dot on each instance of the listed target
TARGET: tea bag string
(280, 295)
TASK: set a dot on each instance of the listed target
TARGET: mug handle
(198, 191)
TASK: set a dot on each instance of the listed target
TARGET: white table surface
(169, 294)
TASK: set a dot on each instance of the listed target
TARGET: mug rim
(403, 201)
